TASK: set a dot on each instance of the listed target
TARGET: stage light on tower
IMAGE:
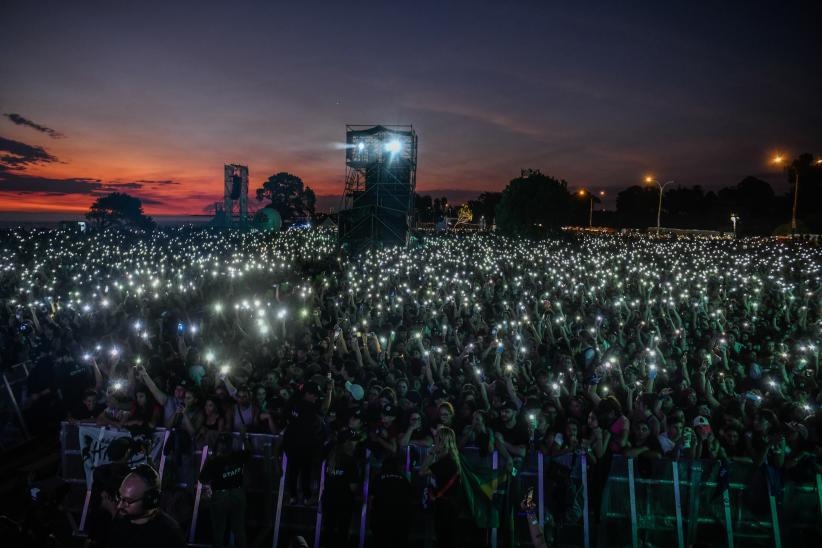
(379, 186)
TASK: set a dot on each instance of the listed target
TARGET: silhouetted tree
(423, 208)
(288, 196)
(684, 206)
(485, 206)
(533, 204)
(119, 210)
(754, 201)
(636, 206)
(440, 209)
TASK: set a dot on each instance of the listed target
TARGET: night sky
(152, 98)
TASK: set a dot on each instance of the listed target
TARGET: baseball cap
(311, 388)
(509, 404)
(701, 422)
(196, 372)
(414, 397)
(357, 392)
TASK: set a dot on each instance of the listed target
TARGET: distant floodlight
(360, 146)
(393, 146)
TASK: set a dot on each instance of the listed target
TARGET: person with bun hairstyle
(443, 465)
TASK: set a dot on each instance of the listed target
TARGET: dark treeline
(761, 210)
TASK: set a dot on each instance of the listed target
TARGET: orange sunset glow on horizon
(153, 98)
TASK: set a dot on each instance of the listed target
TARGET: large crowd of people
(646, 347)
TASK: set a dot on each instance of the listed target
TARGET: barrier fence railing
(13, 426)
(618, 502)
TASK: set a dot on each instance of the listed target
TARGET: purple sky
(156, 96)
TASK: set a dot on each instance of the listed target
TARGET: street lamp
(779, 159)
(661, 186)
(734, 219)
(582, 192)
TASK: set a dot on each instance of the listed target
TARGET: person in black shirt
(443, 465)
(303, 437)
(390, 502)
(87, 409)
(513, 432)
(42, 408)
(223, 477)
(72, 379)
(107, 479)
(341, 480)
(140, 523)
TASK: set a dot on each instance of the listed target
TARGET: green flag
(480, 484)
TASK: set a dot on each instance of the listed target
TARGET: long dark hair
(218, 410)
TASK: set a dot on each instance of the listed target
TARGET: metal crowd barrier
(682, 502)
(179, 472)
(672, 503)
(13, 428)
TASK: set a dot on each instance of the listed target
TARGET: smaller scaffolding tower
(235, 195)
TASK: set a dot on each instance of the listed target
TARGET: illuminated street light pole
(661, 186)
(583, 192)
(778, 160)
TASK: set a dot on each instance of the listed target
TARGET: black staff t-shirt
(392, 494)
(161, 530)
(225, 471)
(338, 481)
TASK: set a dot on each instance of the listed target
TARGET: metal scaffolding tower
(380, 180)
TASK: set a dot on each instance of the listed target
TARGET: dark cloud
(12, 181)
(20, 121)
(155, 182)
(20, 155)
(15, 157)
(18, 182)
(150, 201)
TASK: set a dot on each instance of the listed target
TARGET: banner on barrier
(95, 442)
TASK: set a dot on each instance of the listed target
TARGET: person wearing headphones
(140, 523)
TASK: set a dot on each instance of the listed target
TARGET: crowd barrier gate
(13, 426)
(666, 502)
